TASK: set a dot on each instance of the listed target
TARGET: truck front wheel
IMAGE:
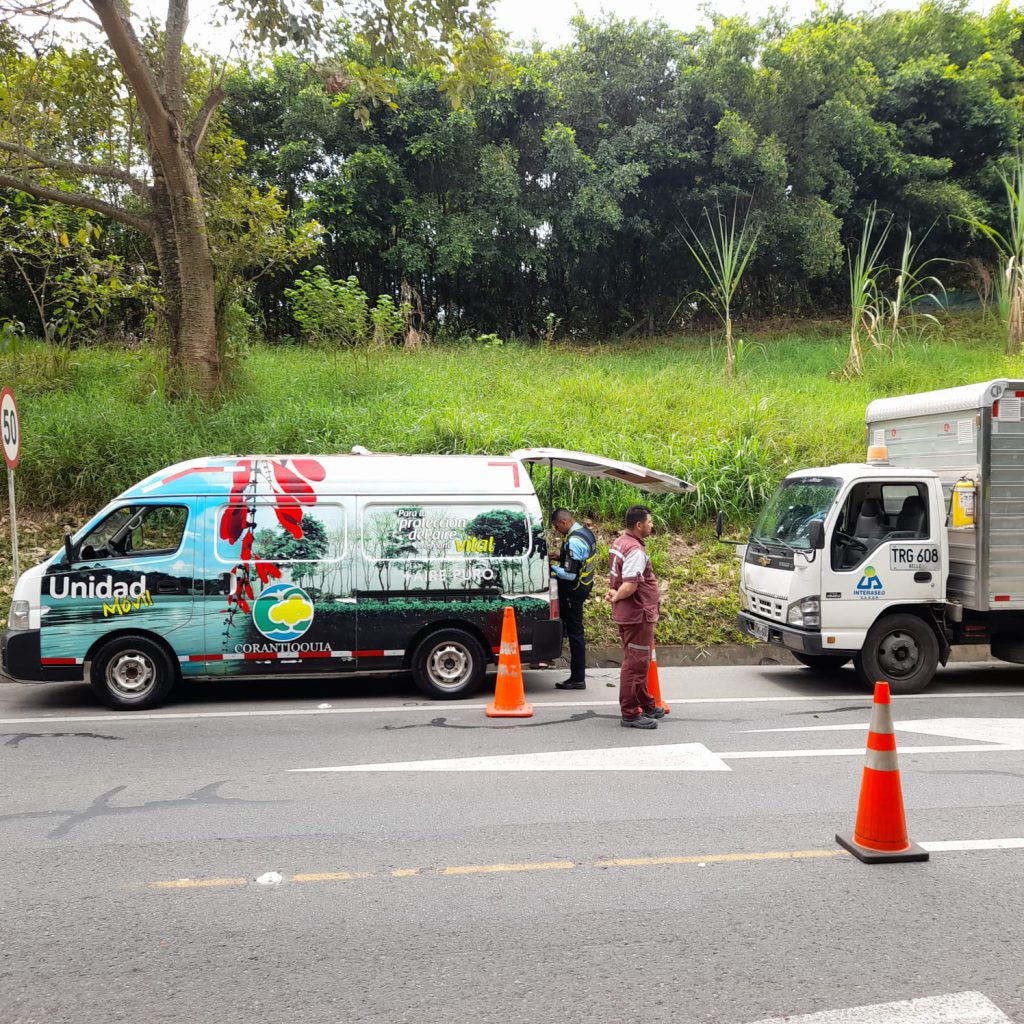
(901, 650)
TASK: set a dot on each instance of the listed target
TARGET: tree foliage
(559, 182)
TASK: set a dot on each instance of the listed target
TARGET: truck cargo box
(968, 435)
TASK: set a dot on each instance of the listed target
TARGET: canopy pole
(551, 488)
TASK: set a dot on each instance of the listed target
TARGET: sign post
(10, 435)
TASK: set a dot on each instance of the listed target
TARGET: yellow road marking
(717, 858)
(482, 869)
(488, 869)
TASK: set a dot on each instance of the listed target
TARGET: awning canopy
(605, 469)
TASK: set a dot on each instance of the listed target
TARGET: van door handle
(168, 587)
(922, 577)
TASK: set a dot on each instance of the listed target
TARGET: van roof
(341, 474)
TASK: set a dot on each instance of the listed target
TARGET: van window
(440, 546)
(875, 513)
(445, 532)
(132, 531)
(322, 536)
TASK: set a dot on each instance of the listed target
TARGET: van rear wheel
(449, 664)
(901, 650)
(132, 673)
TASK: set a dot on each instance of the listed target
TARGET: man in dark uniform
(574, 570)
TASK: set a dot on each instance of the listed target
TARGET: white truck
(893, 561)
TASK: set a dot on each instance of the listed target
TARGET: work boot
(640, 722)
(656, 712)
(571, 684)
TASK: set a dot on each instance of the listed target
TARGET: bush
(336, 313)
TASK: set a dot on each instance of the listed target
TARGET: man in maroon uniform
(635, 599)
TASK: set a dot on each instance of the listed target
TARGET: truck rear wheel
(821, 662)
(449, 664)
(132, 673)
(901, 650)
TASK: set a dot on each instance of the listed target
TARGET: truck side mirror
(719, 524)
(816, 535)
(69, 549)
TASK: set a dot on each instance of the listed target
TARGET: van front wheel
(449, 664)
(132, 673)
(901, 650)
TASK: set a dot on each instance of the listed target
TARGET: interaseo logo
(283, 612)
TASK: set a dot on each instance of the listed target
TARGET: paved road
(708, 891)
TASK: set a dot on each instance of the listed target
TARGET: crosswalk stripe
(955, 1008)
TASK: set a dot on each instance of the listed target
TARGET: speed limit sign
(10, 435)
(10, 428)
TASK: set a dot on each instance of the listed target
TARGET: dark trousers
(637, 642)
(570, 611)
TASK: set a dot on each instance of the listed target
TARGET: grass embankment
(100, 421)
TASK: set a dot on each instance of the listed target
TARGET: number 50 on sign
(10, 436)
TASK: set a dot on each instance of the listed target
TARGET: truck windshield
(787, 517)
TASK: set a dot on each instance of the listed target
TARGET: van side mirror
(719, 524)
(816, 534)
(69, 549)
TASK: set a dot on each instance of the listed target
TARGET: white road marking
(1004, 731)
(960, 748)
(940, 845)
(133, 716)
(955, 1008)
(665, 757)
(672, 757)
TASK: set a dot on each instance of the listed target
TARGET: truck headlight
(18, 617)
(806, 613)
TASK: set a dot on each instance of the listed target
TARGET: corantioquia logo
(283, 612)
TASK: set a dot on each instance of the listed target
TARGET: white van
(260, 566)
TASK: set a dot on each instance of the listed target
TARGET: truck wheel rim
(449, 665)
(131, 674)
(899, 655)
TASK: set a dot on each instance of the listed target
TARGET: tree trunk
(1015, 326)
(187, 274)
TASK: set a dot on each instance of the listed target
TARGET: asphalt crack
(102, 807)
(17, 738)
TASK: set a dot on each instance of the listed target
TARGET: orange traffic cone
(653, 682)
(880, 835)
(509, 695)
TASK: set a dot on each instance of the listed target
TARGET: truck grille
(767, 607)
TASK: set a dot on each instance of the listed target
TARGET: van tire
(901, 650)
(821, 662)
(132, 673)
(449, 664)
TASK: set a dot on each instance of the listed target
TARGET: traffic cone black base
(862, 853)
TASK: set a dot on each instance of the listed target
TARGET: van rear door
(604, 469)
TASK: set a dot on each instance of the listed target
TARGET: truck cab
(849, 562)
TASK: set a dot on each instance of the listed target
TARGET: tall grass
(914, 287)
(1010, 249)
(865, 268)
(105, 424)
(722, 261)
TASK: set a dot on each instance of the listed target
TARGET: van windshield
(787, 518)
